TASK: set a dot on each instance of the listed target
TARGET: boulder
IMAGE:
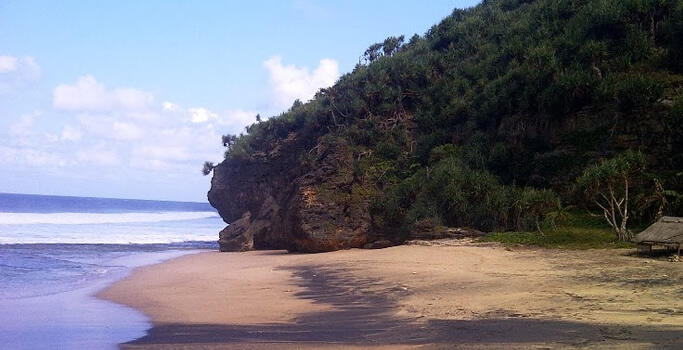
(238, 236)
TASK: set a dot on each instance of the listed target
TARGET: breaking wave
(100, 218)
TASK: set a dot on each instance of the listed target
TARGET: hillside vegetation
(488, 119)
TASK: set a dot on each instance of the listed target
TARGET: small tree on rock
(206, 169)
(607, 185)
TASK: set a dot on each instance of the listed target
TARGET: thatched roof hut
(667, 231)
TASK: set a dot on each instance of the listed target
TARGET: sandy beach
(457, 294)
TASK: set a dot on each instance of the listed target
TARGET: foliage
(652, 205)
(207, 168)
(534, 203)
(578, 230)
(495, 106)
(608, 183)
(450, 191)
(559, 214)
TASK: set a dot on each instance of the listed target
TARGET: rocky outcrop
(238, 236)
(305, 199)
(431, 230)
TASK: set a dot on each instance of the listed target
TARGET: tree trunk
(538, 227)
(615, 214)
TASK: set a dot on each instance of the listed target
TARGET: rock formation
(281, 201)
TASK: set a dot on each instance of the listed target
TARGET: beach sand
(457, 294)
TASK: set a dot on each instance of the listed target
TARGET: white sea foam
(131, 235)
(99, 218)
(139, 238)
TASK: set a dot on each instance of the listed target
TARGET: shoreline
(430, 297)
(75, 317)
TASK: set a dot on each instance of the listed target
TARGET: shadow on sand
(363, 314)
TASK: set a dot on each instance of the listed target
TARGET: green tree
(559, 213)
(607, 184)
(392, 44)
(228, 140)
(373, 52)
(206, 169)
(535, 203)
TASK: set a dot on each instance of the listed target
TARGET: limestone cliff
(299, 200)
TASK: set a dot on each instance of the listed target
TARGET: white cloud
(178, 152)
(119, 127)
(126, 131)
(113, 127)
(42, 158)
(234, 121)
(178, 148)
(132, 99)
(30, 156)
(290, 82)
(23, 126)
(239, 116)
(16, 72)
(201, 115)
(50, 137)
(130, 128)
(69, 133)
(144, 116)
(98, 155)
(8, 64)
(170, 106)
(88, 95)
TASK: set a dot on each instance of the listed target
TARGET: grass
(578, 231)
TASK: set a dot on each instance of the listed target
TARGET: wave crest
(99, 218)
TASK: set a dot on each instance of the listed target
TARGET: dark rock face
(307, 201)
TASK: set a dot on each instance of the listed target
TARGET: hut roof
(668, 229)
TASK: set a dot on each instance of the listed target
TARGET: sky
(127, 99)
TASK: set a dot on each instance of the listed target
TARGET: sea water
(56, 252)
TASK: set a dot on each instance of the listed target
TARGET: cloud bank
(89, 95)
(92, 128)
(119, 127)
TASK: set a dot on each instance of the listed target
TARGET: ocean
(56, 252)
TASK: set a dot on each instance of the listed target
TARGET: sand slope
(461, 295)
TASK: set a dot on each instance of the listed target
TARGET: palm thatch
(666, 231)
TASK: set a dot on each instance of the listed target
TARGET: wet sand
(457, 295)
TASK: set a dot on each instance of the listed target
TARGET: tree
(373, 52)
(559, 213)
(228, 140)
(652, 205)
(607, 184)
(258, 118)
(535, 203)
(206, 169)
(297, 103)
(392, 44)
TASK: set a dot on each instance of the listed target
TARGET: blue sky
(126, 99)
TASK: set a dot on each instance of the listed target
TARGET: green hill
(495, 108)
